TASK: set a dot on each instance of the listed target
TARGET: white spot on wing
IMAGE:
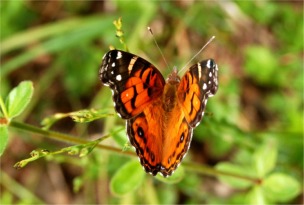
(208, 64)
(113, 64)
(133, 60)
(210, 74)
(204, 86)
(199, 70)
(119, 55)
(118, 77)
(197, 123)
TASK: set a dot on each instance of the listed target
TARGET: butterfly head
(160, 115)
(173, 78)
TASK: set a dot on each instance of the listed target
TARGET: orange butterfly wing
(160, 117)
(134, 82)
(197, 85)
(161, 139)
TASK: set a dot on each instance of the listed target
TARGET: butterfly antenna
(211, 39)
(150, 30)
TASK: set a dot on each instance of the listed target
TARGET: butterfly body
(160, 114)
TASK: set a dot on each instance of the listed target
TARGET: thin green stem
(74, 140)
(213, 172)
(64, 137)
(20, 191)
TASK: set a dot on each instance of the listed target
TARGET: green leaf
(176, 177)
(261, 64)
(78, 183)
(119, 137)
(264, 159)
(234, 181)
(3, 138)
(280, 187)
(256, 196)
(19, 98)
(127, 179)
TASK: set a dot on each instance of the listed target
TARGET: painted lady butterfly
(160, 115)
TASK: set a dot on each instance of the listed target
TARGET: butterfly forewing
(197, 85)
(134, 81)
(160, 116)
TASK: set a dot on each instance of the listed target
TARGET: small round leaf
(256, 196)
(264, 159)
(19, 98)
(280, 187)
(127, 179)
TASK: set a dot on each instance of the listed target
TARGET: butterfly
(160, 114)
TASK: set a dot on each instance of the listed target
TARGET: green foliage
(80, 116)
(250, 139)
(280, 187)
(120, 137)
(262, 65)
(176, 177)
(4, 138)
(15, 103)
(18, 99)
(276, 188)
(264, 158)
(80, 150)
(271, 186)
(233, 181)
(127, 179)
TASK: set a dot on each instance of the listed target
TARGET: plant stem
(64, 137)
(18, 189)
(74, 140)
(213, 172)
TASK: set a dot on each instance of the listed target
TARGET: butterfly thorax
(169, 93)
(160, 114)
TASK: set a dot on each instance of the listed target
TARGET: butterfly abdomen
(160, 115)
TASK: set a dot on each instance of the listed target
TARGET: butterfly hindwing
(160, 115)
(146, 135)
(176, 145)
(161, 139)
(134, 81)
(197, 85)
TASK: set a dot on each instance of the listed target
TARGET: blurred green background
(58, 45)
